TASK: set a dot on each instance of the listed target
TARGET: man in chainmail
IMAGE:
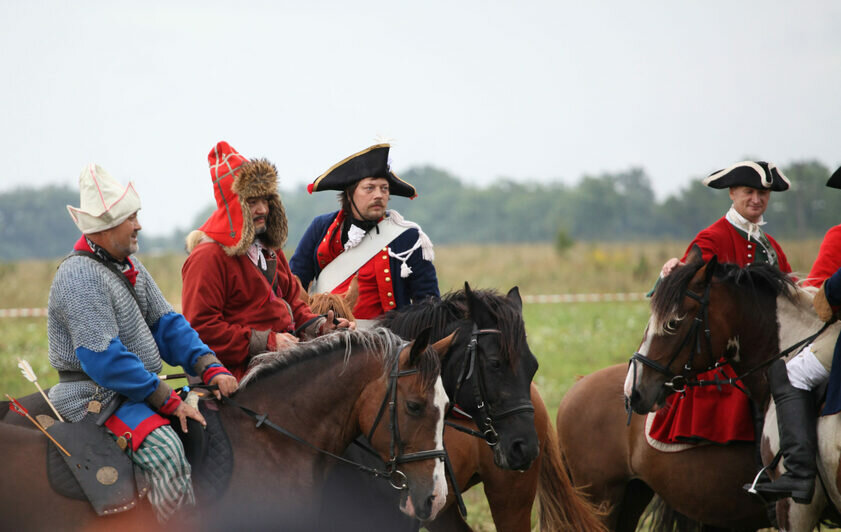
(395, 272)
(109, 329)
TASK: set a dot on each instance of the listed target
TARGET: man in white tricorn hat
(109, 329)
(722, 414)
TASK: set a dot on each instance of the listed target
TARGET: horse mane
(378, 341)
(322, 302)
(439, 314)
(752, 280)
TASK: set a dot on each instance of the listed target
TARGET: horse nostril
(430, 501)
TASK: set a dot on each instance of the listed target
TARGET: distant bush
(563, 242)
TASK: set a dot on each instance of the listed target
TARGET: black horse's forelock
(378, 341)
(440, 314)
(753, 280)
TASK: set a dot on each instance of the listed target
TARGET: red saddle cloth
(705, 413)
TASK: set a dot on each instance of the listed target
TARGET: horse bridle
(486, 416)
(679, 381)
(396, 478)
(396, 446)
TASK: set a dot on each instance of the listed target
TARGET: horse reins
(486, 416)
(679, 382)
(396, 478)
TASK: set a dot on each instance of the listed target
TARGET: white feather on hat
(103, 202)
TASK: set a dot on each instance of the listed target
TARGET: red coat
(226, 298)
(705, 412)
(725, 242)
(829, 258)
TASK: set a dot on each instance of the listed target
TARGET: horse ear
(442, 346)
(711, 265)
(514, 296)
(302, 294)
(695, 254)
(477, 310)
(419, 345)
(352, 294)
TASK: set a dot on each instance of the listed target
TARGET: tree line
(606, 207)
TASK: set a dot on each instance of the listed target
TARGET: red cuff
(171, 404)
(212, 372)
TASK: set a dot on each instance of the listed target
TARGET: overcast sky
(548, 90)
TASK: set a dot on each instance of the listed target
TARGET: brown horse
(617, 468)
(749, 313)
(327, 391)
(510, 493)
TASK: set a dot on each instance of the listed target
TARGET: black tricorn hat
(835, 179)
(370, 162)
(754, 174)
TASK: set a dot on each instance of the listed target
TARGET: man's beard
(260, 230)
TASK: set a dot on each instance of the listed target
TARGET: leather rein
(396, 478)
(485, 417)
(680, 382)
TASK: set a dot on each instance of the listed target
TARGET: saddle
(100, 472)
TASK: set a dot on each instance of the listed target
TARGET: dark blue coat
(422, 282)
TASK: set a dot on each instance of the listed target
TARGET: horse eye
(414, 408)
(495, 363)
(671, 326)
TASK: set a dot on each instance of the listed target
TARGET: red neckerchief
(131, 273)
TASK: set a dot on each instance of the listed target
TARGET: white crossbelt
(349, 262)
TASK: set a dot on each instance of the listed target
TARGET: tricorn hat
(754, 174)
(103, 202)
(835, 179)
(370, 162)
(235, 180)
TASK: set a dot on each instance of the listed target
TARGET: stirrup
(771, 465)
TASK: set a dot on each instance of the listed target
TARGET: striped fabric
(161, 457)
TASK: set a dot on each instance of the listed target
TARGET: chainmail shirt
(88, 308)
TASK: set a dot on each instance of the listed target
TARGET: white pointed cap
(103, 202)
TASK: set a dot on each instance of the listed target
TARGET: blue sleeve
(118, 369)
(302, 262)
(832, 289)
(178, 342)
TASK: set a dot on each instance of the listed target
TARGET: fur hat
(235, 180)
(835, 179)
(754, 174)
(103, 202)
(370, 162)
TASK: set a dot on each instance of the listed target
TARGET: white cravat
(354, 236)
(752, 229)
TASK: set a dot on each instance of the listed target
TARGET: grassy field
(569, 340)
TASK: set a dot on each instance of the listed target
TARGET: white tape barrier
(23, 313)
(542, 298)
